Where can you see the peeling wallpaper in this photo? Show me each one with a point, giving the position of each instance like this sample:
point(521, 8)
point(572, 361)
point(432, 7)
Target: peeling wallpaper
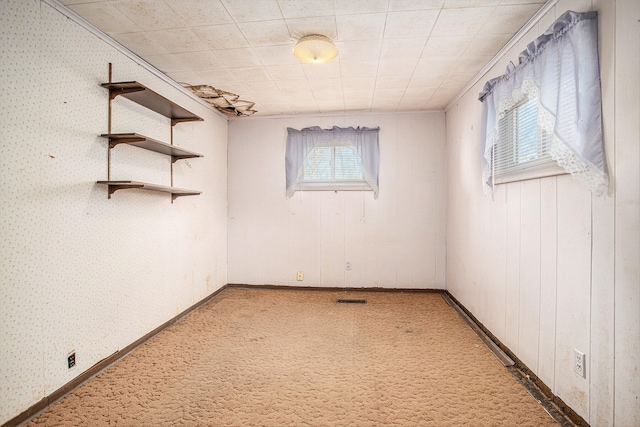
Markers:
point(78, 271)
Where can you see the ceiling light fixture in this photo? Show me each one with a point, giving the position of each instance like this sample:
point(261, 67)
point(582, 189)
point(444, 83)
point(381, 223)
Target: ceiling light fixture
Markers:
point(315, 49)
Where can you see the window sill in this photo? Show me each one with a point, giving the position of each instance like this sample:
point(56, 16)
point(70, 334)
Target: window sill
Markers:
point(525, 175)
point(333, 187)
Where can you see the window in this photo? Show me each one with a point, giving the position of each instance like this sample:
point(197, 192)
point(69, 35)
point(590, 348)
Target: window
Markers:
point(332, 159)
point(522, 146)
point(333, 165)
point(548, 109)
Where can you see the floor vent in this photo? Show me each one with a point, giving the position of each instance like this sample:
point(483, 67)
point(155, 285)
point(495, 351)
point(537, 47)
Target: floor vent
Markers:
point(352, 301)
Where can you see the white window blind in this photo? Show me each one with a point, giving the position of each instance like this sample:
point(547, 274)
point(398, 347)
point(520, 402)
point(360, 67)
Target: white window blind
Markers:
point(522, 145)
point(557, 83)
point(332, 159)
point(333, 163)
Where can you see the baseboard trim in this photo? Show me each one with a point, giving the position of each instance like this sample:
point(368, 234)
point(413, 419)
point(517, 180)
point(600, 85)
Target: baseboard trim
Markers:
point(334, 289)
point(555, 406)
point(101, 365)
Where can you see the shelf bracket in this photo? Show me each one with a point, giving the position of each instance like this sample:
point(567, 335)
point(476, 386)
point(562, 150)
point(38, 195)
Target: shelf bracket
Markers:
point(121, 91)
point(114, 188)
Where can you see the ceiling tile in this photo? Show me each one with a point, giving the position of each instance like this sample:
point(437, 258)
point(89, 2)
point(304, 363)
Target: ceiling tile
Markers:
point(399, 67)
point(508, 19)
point(218, 78)
point(276, 55)
point(239, 89)
point(432, 66)
point(350, 7)
point(251, 10)
point(327, 107)
point(455, 4)
point(305, 8)
point(540, 2)
point(205, 60)
point(140, 43)
point(322, 71)
point(392, 82)
point(455, 22)
point(410, 104)
point(201, 12)
point(252, 74)
point(284, 72)
point(361, 27)
point(326, 85)
point(233, 58)
point(385, 104)
point(69, 2)
point(458, 79)
point(186, 77)
point(396, 5)
point(265, 33)
point(166, 63)
point(470, 64)
point(328, 95)
point(487, 44)
point(106, 17)
point(323, 25)
point(178, 40)
point(358, 68)
point(416, 23)
point(424, 93)
point(360, 50)
point(293, 85)
point(359, 83)
point(410, 48)
point(227, 36)
point(150, 14)
point(254, 86)
point(447, 46)
point(357, 105)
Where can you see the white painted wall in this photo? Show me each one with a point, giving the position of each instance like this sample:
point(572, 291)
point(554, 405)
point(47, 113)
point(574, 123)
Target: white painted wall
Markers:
point(78, 271)
point(396, 241)
point(547, 266)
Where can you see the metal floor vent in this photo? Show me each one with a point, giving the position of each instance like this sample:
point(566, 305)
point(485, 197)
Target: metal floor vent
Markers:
point(351, 301)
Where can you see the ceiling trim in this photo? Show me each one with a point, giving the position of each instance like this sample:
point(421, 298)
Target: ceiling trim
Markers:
point(55, 4)
point(498, 56)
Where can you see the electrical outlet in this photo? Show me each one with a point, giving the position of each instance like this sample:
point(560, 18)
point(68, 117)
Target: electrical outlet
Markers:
point(579, 363)
point(71, 359)
point(300, 276)
point(347, 265)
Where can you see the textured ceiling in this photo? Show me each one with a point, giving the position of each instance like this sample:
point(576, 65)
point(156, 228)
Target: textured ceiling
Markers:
point(394, 55)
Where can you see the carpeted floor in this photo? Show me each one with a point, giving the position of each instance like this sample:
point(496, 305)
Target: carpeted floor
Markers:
point(255, 357)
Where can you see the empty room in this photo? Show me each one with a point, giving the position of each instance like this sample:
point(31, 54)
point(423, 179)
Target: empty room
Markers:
point(320, 212)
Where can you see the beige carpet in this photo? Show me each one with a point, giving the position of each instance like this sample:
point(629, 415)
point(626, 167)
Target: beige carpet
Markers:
point(298, 358)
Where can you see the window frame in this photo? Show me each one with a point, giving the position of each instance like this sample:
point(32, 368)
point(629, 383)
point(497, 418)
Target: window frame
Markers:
point(509, 144)
point(334, 184)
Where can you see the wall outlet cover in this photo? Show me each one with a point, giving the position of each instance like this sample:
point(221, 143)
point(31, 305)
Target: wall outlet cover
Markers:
point(71, 359)
point(579, 363)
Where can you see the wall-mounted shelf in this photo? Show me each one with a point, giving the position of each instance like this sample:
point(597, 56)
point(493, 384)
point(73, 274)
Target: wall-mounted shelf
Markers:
point(129, 185)
point(144, 96)
point(149, 99)
point(150, 144)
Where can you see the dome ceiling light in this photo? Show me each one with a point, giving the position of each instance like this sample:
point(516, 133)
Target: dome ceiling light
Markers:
point(315, 49)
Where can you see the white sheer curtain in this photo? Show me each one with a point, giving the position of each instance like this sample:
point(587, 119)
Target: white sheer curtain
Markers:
point(560, 69)
point(301, 142)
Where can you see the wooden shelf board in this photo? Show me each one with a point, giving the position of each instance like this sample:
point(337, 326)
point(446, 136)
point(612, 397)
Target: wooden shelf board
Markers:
point(128, 185)
point(144, 96)
point(150, 144)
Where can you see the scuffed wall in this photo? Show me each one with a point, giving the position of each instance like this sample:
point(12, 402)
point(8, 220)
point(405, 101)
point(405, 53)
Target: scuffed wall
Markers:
point(78, 271)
